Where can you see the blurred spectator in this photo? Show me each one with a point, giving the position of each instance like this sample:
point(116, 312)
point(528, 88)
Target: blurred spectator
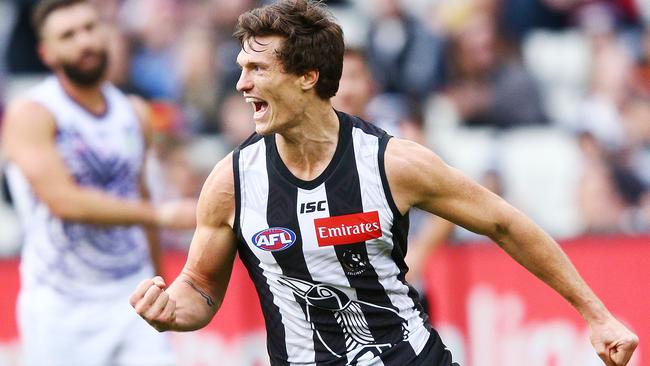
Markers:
point(21, 50)
point(223, 18)
point(119, 54)
point(154, 25)
point(357, 95)
point(519, 17)
point(198, 77)
point(488, 83)
point(641, 77)
point(636, 119)
point(601, 205)
point(404, 55)
point(610, 75)
point(357, 85)
point(236, 120)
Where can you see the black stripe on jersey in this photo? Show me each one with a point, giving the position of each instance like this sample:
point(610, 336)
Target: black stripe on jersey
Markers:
point(344, 197)
point(275, 336)
point(235, 172)
point(400, 231)
point(282, 212)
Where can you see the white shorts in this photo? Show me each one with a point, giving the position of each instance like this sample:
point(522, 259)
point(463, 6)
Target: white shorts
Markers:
point(56, 331)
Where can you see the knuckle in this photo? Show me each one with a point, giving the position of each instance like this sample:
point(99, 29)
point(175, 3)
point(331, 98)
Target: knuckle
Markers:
point(154, 290)
point(161, 319)
point(140, 308)
point(152, 314)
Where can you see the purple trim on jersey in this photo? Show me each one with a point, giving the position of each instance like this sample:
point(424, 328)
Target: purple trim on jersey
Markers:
point(99, 115)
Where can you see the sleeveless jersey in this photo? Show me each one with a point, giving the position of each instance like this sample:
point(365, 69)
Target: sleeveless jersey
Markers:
point(327, 255)
point(100, 151)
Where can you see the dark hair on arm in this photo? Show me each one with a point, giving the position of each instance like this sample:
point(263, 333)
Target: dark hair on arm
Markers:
point(44, 8)
point(312, 39)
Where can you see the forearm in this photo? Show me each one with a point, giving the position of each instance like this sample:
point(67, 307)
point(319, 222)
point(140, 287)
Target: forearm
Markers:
point(195, 306)
point(155, 251)
point(153, 235)
point(92, 206)
point(541, 255)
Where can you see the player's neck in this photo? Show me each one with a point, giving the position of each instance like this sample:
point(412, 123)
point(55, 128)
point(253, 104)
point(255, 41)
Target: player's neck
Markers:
point(89, 97)
point(307, 148)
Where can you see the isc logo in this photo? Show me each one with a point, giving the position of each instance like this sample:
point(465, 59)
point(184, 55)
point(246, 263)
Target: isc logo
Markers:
point(308, 207)
point(274, 239)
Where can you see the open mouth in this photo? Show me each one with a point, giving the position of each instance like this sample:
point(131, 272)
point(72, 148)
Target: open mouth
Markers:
point(259, 106)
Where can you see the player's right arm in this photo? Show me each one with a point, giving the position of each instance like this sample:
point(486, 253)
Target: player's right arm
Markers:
point(29, 132)
point(196, 294)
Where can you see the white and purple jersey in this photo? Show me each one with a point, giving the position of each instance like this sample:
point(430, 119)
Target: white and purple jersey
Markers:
point(104, 152)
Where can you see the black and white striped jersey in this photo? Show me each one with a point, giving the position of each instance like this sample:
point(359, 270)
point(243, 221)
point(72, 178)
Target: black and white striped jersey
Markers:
point(327, 256)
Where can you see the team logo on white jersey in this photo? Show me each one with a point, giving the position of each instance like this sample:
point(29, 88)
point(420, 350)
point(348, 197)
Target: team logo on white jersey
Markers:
point(274, 239)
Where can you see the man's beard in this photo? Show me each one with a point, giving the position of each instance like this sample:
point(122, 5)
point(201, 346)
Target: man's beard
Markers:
point(89, 77)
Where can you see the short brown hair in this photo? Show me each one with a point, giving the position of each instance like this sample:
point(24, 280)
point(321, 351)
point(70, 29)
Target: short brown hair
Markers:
point(46, 7)
point(312, 40)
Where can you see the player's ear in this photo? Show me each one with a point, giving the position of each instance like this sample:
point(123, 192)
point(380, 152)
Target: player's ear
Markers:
point(43, 53)
point(309, 79)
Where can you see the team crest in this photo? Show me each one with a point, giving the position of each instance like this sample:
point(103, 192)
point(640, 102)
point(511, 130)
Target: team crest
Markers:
point(360, 344)
point(274, 239)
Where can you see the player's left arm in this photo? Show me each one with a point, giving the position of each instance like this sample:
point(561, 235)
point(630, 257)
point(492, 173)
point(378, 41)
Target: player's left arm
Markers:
point(143, 112)
point(419, 178)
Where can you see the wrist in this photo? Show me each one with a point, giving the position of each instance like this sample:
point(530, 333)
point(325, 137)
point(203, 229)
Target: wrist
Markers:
point(164, 216)
point(594, 312)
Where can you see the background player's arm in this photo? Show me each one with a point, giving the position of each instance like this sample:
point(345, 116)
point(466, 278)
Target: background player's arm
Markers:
point(29, 133)
point(417, 177)
point(435, 232)
point(143, 113)
point(196, 294)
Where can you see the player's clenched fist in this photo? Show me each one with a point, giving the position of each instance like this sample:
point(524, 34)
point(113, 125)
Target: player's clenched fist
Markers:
point(152, 303)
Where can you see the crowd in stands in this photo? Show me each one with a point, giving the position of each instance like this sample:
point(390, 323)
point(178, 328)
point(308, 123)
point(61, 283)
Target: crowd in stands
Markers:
point(545, 101)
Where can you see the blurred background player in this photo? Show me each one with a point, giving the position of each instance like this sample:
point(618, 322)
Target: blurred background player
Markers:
point(76, 148)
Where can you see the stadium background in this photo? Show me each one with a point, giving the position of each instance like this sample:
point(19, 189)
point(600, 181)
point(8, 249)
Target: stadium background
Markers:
point(548, 101)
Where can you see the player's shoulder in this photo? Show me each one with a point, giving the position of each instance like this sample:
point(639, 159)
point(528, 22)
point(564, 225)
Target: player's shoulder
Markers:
point(408, 159)
point(27, 111)
point(407, 150)
point(217, 200)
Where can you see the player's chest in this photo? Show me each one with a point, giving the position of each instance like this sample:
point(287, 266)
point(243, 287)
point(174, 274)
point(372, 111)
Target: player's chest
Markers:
point(101, 152)
point(311, 228)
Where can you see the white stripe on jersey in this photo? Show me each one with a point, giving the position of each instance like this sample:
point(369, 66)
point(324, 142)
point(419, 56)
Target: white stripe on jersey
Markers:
point(322, 262)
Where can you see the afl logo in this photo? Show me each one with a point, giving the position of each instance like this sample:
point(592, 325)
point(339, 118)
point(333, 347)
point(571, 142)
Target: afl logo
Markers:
point(274, 239)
